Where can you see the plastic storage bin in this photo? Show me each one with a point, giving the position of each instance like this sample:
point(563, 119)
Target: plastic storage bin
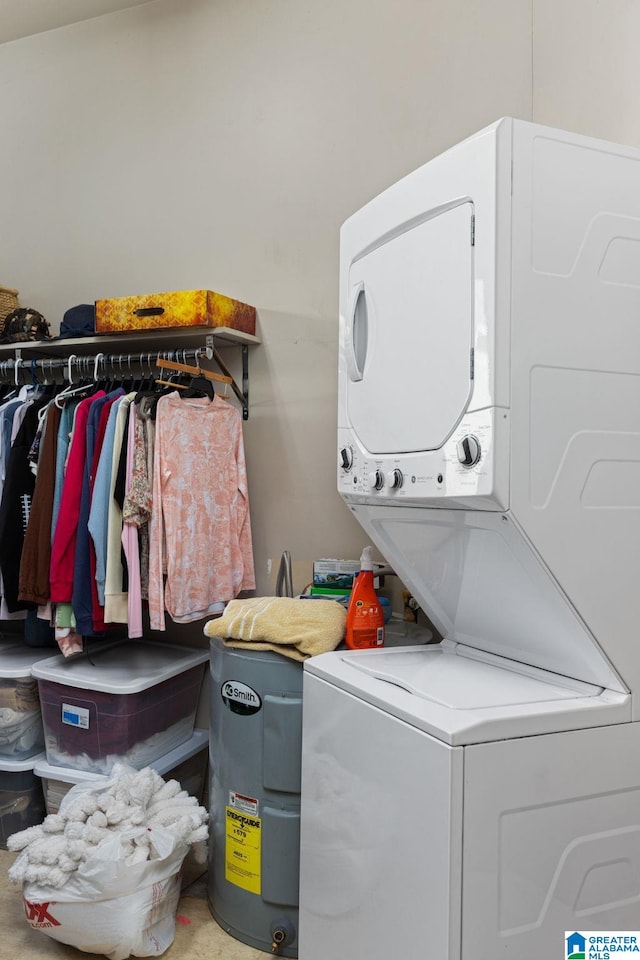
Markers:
point(21, 799)
point(21, 733)
point(187, 764)
point(130, 702)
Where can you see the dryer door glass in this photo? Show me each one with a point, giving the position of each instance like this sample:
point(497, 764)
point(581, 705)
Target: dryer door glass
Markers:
point(409, 333)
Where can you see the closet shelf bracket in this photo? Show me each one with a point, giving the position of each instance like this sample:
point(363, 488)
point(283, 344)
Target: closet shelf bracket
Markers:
point(242, 395)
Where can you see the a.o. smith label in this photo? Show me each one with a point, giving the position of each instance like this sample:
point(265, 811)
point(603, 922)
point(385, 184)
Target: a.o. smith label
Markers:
point(239, 697)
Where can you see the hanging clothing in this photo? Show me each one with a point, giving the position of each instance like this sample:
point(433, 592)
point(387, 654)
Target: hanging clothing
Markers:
point(97, 607)
point(92, 513)
point(62, 449)
point(15, 506)
point(7, 433)
point(130, 540)
point(36, 550)
point(63, 550)
point(138, 502)
point(99, 512)
point(81, 600)
point(200, 510)
point(115, 597)
point(7, 413)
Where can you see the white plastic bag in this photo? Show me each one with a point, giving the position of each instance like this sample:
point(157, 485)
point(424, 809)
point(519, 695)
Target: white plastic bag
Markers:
point(114, 908)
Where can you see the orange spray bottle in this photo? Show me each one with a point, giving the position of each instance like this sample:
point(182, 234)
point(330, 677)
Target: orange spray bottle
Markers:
point(365, 618)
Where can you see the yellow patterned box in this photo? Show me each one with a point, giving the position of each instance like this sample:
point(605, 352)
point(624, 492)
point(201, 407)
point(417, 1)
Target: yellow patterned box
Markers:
point(183, 308)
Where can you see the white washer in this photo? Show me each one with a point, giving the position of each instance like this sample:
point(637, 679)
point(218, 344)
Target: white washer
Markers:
point(440, 821)
point(477, 799)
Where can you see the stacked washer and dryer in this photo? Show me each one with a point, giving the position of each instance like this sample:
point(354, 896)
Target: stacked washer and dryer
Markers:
point(480, 797)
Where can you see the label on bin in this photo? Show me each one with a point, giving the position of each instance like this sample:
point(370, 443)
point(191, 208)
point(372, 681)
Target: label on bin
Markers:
point(242, 850)
point(75, 716)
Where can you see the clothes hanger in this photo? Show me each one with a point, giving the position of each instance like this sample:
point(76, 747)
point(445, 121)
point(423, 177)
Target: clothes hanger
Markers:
point(8, 390)
point(131, 383)
point(70, 390)
point(96, 363)
point(170, 383)
point(46, 392)
point(225, 393)
point(194, 371)
point(147, 385)
point(200, 387)
point(30, 390)
point(167, 386)
point(47, 386)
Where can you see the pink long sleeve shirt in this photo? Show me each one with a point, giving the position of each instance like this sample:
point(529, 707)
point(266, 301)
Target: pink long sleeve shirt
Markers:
point(200, 510)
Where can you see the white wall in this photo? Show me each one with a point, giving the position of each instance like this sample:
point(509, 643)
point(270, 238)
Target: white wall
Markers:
point(586, 68)
point(220, 144)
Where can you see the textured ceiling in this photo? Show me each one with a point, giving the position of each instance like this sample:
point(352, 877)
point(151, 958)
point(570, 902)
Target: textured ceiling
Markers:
point(21, 18)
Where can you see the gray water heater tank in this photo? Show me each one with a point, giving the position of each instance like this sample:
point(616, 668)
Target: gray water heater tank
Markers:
point(255, 758)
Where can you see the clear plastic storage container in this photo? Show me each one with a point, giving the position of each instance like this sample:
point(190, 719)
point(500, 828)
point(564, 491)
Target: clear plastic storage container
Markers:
point(21, 733)
point(21, 799)
point(187, 764)
point(129, 702)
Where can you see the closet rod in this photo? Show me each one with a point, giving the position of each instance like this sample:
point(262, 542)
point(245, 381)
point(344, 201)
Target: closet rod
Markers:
point(119, 365)
point(122, 363)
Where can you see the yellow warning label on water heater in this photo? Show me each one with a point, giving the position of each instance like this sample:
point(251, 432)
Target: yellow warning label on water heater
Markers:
point(242, 850)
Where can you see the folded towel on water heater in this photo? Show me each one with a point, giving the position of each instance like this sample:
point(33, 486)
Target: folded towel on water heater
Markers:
point(287, 625)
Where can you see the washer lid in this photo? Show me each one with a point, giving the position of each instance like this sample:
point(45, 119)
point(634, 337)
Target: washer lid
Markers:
point(461, 695)
point(482, 584)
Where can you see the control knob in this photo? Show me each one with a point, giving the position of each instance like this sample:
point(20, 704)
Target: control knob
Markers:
point(468, 450)
point(395, 478)
point(376, 478)
point(346, 458)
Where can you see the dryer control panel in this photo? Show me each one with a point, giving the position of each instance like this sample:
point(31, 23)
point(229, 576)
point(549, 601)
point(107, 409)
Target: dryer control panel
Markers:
point(470, 469)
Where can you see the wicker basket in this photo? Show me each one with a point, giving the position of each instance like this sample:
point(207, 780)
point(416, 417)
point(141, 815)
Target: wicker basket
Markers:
point(8, 302)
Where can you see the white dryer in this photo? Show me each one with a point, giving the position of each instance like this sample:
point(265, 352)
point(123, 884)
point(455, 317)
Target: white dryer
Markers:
point(479, 798)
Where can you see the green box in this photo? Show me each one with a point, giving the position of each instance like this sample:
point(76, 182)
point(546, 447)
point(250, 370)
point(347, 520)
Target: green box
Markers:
point(337, 574)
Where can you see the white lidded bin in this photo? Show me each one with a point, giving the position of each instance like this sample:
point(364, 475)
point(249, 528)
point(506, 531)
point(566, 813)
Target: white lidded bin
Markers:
point(127, 702)
point(21, 799)
point(21, 733)
point(187, 764)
